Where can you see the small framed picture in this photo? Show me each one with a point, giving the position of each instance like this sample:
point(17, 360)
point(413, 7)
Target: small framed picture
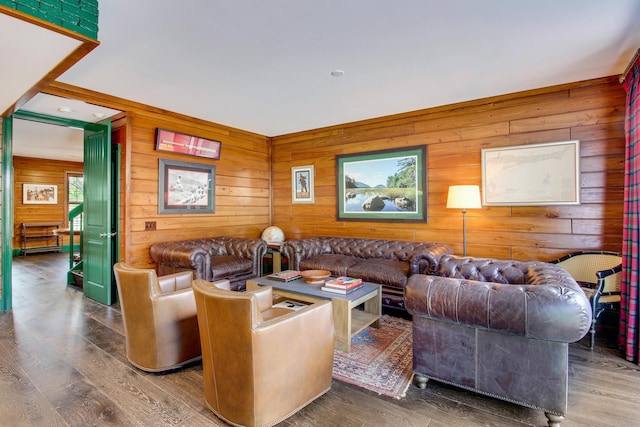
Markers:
point(186, 188)
point(302, 184)
point(39, 194)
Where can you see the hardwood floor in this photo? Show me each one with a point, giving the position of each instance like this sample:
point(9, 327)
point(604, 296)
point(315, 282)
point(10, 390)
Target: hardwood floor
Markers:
point(62, 363)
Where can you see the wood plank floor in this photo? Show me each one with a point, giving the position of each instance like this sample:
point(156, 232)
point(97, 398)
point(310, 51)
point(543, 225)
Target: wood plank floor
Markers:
point(62, 363)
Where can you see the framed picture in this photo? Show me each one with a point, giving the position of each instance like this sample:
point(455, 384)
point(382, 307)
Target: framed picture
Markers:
point(386, 185)
point(302, 184)
point(39, 194)
point(175, 142)
point(186, 187)
point(532, 175)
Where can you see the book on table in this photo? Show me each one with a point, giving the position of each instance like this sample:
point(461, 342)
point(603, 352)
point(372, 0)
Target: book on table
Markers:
point(285, 276)
point(338, 290)
point(343, 282)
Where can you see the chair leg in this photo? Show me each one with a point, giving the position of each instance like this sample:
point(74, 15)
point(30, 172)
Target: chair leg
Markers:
point(593, 338)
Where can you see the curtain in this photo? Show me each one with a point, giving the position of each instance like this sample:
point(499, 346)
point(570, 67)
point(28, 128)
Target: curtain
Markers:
point(630, 289)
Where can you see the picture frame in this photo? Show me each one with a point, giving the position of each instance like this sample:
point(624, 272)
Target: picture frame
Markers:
point(180, 143)
point(383, 185)
point(532, 175)
point(186, 187)
point(39, 194)
point(302, 184)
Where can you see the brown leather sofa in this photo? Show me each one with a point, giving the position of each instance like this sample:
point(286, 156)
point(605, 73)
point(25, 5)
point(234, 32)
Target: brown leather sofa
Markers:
point(498, 327)
point(260, 364)
point(159, 316)
point(212, 259)
point(386, 262)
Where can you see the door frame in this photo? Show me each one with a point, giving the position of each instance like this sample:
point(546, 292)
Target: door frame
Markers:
point(8, 195)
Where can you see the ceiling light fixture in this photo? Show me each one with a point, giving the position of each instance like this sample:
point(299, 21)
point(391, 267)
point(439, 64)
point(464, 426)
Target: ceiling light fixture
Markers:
point(65, 110)
point(337, 73)
point(98, 115)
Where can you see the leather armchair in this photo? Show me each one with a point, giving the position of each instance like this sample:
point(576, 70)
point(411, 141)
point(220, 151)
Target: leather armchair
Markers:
point(261, 364)
point(159, 316)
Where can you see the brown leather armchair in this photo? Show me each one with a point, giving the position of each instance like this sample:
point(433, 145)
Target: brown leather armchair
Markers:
point(159, 315)
point(261, 364)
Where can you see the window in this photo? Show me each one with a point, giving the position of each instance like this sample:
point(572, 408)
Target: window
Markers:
point(75, 186)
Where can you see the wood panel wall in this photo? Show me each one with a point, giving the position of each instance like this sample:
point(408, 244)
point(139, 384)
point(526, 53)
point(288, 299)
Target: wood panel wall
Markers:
point(590, 111)
point(242, 193)
point(29, 170)
point(243, 176)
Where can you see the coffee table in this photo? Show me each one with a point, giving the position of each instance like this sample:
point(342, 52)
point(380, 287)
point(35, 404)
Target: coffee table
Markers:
point(348, 320)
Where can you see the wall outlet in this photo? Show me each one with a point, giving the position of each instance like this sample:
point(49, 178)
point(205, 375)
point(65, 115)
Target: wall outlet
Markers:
point(149, 225)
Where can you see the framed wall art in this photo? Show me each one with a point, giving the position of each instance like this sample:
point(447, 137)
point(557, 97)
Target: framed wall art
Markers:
point(186, 187)
point(174, 142)
point(385, 185)
point(532, 175)
point(302, 183)
point(39, 194)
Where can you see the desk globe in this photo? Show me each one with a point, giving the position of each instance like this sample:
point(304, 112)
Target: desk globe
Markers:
point(273, 235)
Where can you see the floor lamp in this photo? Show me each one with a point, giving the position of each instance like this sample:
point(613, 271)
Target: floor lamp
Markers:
point(464, 197)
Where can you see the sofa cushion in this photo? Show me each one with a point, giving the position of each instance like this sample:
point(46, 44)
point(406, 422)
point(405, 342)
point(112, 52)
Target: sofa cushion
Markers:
point(226, 266)
point(336, 264)
point(381, 271)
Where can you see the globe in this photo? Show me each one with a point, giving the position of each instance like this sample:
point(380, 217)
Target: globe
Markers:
point(273, 234)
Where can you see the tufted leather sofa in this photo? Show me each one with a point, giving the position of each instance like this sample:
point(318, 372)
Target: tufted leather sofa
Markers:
point(386, 262)
point(498, 327)
point(212, 259)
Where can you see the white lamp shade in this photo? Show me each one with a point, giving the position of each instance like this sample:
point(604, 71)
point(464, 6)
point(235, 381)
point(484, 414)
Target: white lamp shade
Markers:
point(464, 197)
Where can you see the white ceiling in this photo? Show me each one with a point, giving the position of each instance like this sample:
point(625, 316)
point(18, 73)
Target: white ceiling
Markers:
point(265, 65)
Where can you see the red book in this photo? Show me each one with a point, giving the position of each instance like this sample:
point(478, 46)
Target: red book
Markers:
point(343, 282)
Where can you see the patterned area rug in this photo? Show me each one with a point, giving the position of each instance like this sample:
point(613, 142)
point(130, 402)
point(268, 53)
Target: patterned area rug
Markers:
point(379, 360)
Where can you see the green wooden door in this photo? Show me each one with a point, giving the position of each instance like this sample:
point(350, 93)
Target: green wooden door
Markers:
point(98, 233)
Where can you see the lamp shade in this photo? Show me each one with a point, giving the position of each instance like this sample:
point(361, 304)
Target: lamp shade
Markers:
point(464, 197)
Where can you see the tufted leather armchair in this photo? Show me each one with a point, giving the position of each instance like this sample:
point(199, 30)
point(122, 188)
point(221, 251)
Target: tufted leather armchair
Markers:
point(386, 262)
point(498, 327)
point(261, 365)
point(159, 316)
point(212, 259)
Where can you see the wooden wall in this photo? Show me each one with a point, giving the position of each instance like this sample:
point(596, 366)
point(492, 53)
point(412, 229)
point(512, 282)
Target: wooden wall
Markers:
point(242, 194)
point(29, 170)
point(243, 176)
point(590, 111)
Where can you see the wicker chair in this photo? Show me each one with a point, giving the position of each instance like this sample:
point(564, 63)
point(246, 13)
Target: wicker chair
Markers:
point(599, 274)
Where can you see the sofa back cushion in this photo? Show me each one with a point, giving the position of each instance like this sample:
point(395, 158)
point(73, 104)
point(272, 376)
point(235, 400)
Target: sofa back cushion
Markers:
point(484, 269)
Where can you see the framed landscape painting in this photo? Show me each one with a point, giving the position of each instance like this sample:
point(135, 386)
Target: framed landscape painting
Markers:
point(186, 187)
point(385, 185)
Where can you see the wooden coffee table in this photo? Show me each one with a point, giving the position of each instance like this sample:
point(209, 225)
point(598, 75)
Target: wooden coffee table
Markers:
point(348, 320)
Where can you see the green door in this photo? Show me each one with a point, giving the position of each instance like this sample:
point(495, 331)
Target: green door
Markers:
point(98, 233)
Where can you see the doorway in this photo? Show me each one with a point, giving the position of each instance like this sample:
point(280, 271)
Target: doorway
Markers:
point(94, 135)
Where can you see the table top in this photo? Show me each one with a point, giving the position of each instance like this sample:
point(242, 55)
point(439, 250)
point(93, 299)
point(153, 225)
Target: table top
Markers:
point(299, 286)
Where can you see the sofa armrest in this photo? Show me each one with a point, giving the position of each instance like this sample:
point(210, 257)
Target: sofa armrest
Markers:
point(297, 250)
point(254, 249)
point(187, 254)
point(428, 260)
point(548, 311)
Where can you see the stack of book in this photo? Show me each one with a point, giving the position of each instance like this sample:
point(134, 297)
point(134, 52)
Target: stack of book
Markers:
point(285, 276)
point(342, 285)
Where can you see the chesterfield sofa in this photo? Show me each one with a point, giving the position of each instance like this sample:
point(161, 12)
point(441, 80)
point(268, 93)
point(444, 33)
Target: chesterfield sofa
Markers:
point(212, 259)
point(386, 262)
point(498, 327)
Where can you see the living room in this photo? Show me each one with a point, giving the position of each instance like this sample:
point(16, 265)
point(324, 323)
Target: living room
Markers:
point(253, 176)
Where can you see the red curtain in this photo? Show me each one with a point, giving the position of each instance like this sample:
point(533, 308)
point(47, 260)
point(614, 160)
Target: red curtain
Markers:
point(630, 297)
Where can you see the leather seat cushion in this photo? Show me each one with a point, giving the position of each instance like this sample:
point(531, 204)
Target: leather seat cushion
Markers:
point(381, 271)
point(226, 266)
point(335, 263)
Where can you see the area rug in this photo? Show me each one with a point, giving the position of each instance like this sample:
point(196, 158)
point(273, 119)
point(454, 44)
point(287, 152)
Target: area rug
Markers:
point(380, 360)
